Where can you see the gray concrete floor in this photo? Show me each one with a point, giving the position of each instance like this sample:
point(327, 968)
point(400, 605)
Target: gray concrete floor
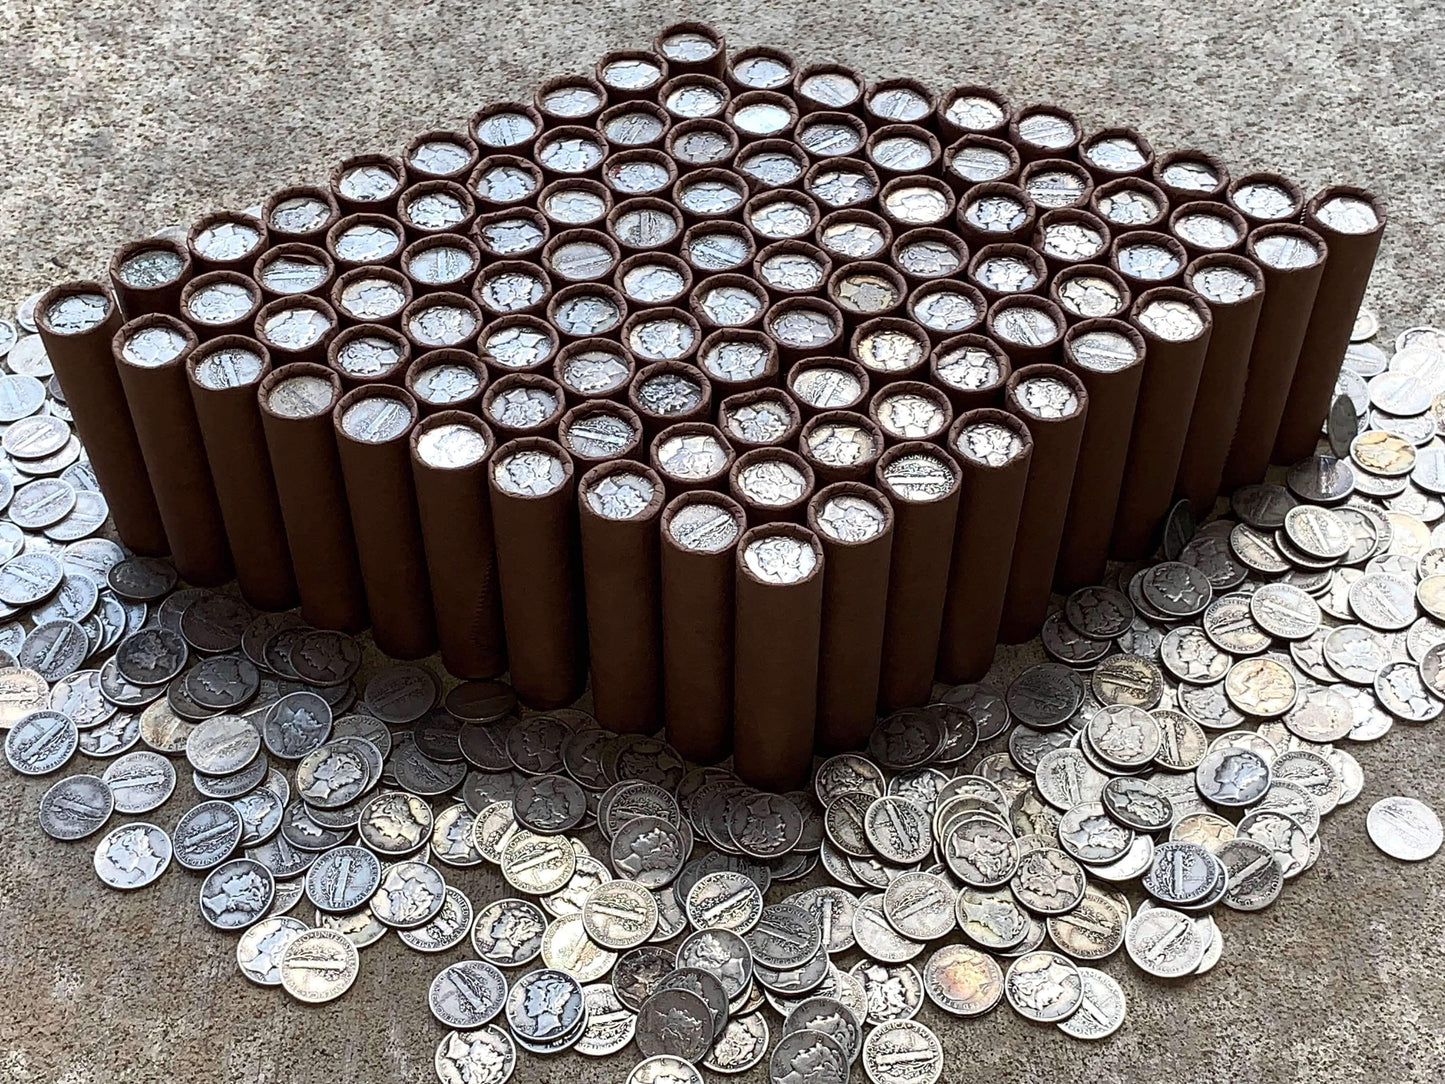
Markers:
point(121, 118)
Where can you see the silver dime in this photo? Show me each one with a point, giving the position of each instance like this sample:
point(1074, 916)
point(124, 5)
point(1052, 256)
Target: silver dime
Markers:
point(920, 905)
point(1255, 878)
point(963, 981)
point(620, 915)
point(467, 995)
point(545, 1005)
point(41, 742)
point(408, 894)
point(509, 932)
point(809, 1055)
point(1102, 1007)
point(677, 1022)
point(980, 851)
point(140, 782)
point(206, 835)
point(1282, 834)
point(484, 1055)
point(725, 900)
point(75, 807)
point(343, 879)
point(898, 830)
point(236, 894)
point(1043, 987)
point(721, 952)
point(1165, 943)
point(223, 745)
point(132, 855)
point(1232, 777)
point(664, 1069)
point(650, 851)
point(1404, 828)
point(1048, 882)
point(259, 948)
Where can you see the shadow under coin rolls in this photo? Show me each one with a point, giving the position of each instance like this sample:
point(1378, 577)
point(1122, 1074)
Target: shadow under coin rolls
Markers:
point(296, 402)
point(534, 517)
point(450, 451)
point(778, 612)
point(619, 505)
point(373, 431)
point(77, 322)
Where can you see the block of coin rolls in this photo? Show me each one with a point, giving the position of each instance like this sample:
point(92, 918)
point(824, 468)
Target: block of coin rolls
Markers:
point(1175, 324)
point(921, 481)
point(854, 524)
point(296, 402)
point(77, 322)
point(992, 449)
point(1351, 221)
point(150, 356)
point(223, 375)
point(373, 434)
point(1054, 405)
point(699, 536)
point(619, 505)
point(534, 519)
point(449, 454)
point(778, 615)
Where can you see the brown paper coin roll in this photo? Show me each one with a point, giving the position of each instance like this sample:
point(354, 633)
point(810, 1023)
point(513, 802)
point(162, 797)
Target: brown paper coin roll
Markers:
point(993, 449)
point(441, 261)
point(148, 276)
point(223, 376)
point(299, 212)
point(518, 344)
point(1147, 258)
point(906, 101)
point(778, 614)
point(367, 183)
point(760, 418)
point(854, 524)
point(220, 303)
point(511, 232)
point(511, 126)
point(994, 212)
point(435, 206)
point(226, 241)
point(1186, 175)
point(293, 269)
point(947, 307)
point(911, 410)
point(449, 452)
point(446, 379)
point(690, 456)
point(1266, 197)
point(441, 319)
point(534, 517)
point(668, 392)
point(1205, 227)
point(1044, 131)
point(969, 110)
point(760, 67)
point(977, 159)
point(150, 356)
point(1030, 329)
point(727, 301)
point(569, 99)
point(1057, 183)
point(1116, 152)
point(1005, 269)
point(1130, 203)
point(971, 370)
point(927, 254)
point(631, 74)
point(439, 154)
point(662, 334)
point(792, 267)
point(371, 295)
point(1070, 236)
point(77, 322)
point(1292, 259)
point(505, 182)
point(922, 483)
point(619, 505)
point(1054, 405)
point(296, 328)
point(890, 348)
point(853, 234)
point(593, 369)
point(1108, 357)
point(373, 433)
point(1233, 287)
point(645, 224)
point(1352, 222)
point(523, 405)
point(369, 354)
point(647, 279)
point(738, 360)
point(828, 383)
point(597, 430)
point(701, 144)
point(803, 327)
point(1176, 326)
point(699, 535)
point(691, 46)
point(1090, 292)
point(772, 484)
point(840, 446)
point(573, 202)
point(295, 403)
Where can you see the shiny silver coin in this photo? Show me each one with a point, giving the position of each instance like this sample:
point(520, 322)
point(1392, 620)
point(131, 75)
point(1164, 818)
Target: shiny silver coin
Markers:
point(1255, 879)
point(75, 807)
point(741, 1045)
point(903, 1052)
point(319, 966)
point(1232, 777)
point(259, 948)
point(407, 895)
point(41, 742)
point(1043, 987)
point(1089, 834)
point(223, 745)
point(784, 938)
point(237, 894)
point(725, 900)
point(877, 937)
point(664, 1069)
point(620, 915)
point(611, 1025)
point(1403, 693)
point(485, 1055)
point(343, 879)
point(892, 992)
point(897, 830)
point(721, 952)
point(467, 995)
point(509, 932)
point(140, 782)
point(393, 824)
point(1165, 943)
point(1404, 828)
point(334, 775)
point(447, 929)
point(132, 855)
point(206, 835)
point(545, 1005)
point(1101, 1010)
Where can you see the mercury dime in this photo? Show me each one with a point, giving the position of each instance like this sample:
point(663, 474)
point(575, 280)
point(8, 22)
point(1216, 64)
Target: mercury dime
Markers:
point(1125, 736)
point(509, 932)
point(1043, 696)
point(610, 1024)
point(1091, 835)
point(1048, 881)
point(395, 823)
point(1127, 680)
point(1404, 828)
point(1182, 873)
point(408, 894)
point(891, 992)
point(319, 966)
point(467, 995)
point(549, 804)
point(676, 1022)
point(1232, 777)
point(132, 855)
point(920, 906)
point(75, 807)
point(1282, 834)
point(1043, 987)
point(223, 745)
point(236, 894)
point(898, 830)
point(1404, 694)
point(296, 725)
point(1137, 804)
point(1101, 1008)
point(1188, 653)
point(260, 947)
point(620, 915)
point(650, 850)
point(41, 742)
point(1284, 611)
point(903, 1052)
point(1165, 943)
point(665, 1069)
point(1065, 778)
point(1383, 601)
point(566, 947)
point(343, 879)
point(545, 1005)
point(725, 900)
point(140, 781)
point(1254, 877)
point(1261, 687)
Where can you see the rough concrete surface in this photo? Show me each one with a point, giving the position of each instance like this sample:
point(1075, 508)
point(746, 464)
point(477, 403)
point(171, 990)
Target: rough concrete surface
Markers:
point(120, 118)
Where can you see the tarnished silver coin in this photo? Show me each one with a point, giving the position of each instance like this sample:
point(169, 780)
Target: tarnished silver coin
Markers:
point(664, 1069)
point(809, 1055)
point(132, 855)
point(610, 1024)
point(1282, 834)
point(259, 948)
point(484, 1055)
point(1043, 987)
point(223, 745)
point(1102, 1007)
point(319, 966)
point(980, 851)
point(785, 937)
point(620, 915)
point(920, 905)
point(508, 932)
point(677, 1022)
point(545, 1005)
point(206, 835)
point(140, 781)
point(1044, 696)
point(75, 807)
point(394, 824)
point(343, 879)
point(1255, 878)
point(649, 850)
point(408, 894)
point(897, 830)
point(1403, 693)
point(721, 952)
point(725, 900)
point(236, 894)
point(1232, 777)
point(467, 995)
point(41, 742)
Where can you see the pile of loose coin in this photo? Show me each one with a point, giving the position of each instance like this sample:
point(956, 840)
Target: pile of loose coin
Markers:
point(1179, 753)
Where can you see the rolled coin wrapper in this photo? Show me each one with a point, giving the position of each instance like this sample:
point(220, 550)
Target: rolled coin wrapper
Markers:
point(294, 269)
point(828, 383)
point(1186, 175)
point(296, 328)
point(1266, 197)
point(523, 405)
point(668, 392)
point(449, 454)
point(993, 450)
point(367, 182)
point(699, 537)
point(447, 379)
point(148, 276)
point(223, 376)
point(1116, 152)
point(597, 430)
point(922, 483)
point(840, 446)
point(1233, 288)
point(220, 303)
point(1053, 403)
point(971, 370)
point(1351, 221)
point(692, 47)
point(295, 403)
point(371, 295)
point(854, 524)
point(593, 369)
point(1292, 259)
point(1176, 326)
point(911, 410)
point(764, 417)
point(772, 484)
point(1044, 131)
point(619, 506)
point(369, 354)
point(1128, 204)
point(226, 241)
point(534, 517)
point(1108, 356)
point(77, 322)
point(1089, 292)
point(690, 456)
point(1030, 329)
point(777, 635)
point(150, 356)
point(373, 432)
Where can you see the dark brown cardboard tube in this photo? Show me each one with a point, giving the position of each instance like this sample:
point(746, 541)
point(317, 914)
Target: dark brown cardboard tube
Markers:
point(365, 281)
point(1290, 295)
point(545, 404)
point(739, 74)
point(678, 61)
point(93, 392)
point(1105, 170)
point(808, 102)
point(565, 272)
point(641, 262)
point(419, 173)
point(680, 195)
point(734, 416)
point(1038, 349)
point(713, 358)
point(508, 196)
point(1221, 385)
point(347, 256)
point(882, 369)
point(597, 430)
point(777, 638)
point(1113, 395)
point(1090, 303)
point(698, 542)
point(844, 222)
point(654, 421)
point(863, 290)
point(137, 297)
point(312, 495)
point(443, 299)
point(954, 123)
point(622, 171)
point(1161, 422)
point(1159, 174)
point(235, 442)
point(855, 463)
point(281, 230)
point(947, 307)
point(313, 309)
point(586, 310)
point(924, 520)
point(1180, 216)
point(1056, 254)
point(696, 476)
point(748, 101)
point(706, 310)
point(971, 370)
point(1112, 199)
point(374, 338)
point(1126, 247)
point(1037, 180)
point(201, 263)
point(851, 166)
point(1046, 498)
point(645, 225)
point(701, 143)
point(1009, 250)
point(978, 237)
point(805, 135)
point(496, 127)
point(621, 574)
point(175, 458)
point(493, 232)
point(1342, 288)
point(991, 494)
point(904, 131)
point(855, 604)
point(912, 240)
point(784, 508)
point(634, 335)
point(617, 92)
point(1020, 133)
point(455, 516)
point(350, 204)
point(576, 134)
point(551, 118)
point(791, 200)
point(961, 161)
point(827, 383)
point(539, 569)
point(465, 397)
point(1256, 215)
point(239, 324)
point(494, 297)
point(296, 252)
point(882, 413)
point(879, 107)
point(384, 519)
point(491, 347)
point(417, 250)
point(572, 369)
point(666, 113)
